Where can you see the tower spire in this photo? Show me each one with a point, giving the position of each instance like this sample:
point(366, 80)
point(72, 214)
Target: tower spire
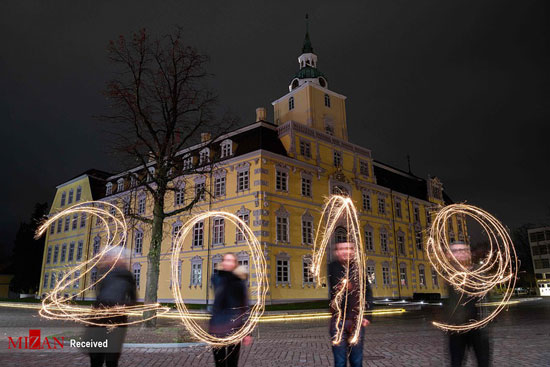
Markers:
point(307, 48)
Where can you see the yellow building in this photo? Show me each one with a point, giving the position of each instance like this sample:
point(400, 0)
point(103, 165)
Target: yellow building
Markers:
point(275, 176)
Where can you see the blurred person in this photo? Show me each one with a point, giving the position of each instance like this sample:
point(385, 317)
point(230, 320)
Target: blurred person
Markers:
point(230, 308)
point(345, 257)
point(461, 308)
point(117, 288)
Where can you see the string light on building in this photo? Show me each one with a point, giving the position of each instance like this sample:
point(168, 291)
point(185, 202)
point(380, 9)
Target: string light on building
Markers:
point(57, 306)
point(340, 210)
point(260, 289)
point(499, 267)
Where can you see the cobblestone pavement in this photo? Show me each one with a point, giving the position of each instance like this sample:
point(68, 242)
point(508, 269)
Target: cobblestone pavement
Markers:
point(520, 337)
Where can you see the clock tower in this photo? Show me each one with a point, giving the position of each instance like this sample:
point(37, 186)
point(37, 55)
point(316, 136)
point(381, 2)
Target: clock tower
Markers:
point(309, 100)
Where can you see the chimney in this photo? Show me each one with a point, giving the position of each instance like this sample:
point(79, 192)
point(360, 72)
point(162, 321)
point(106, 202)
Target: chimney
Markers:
point(261, 114)
point(205, 137)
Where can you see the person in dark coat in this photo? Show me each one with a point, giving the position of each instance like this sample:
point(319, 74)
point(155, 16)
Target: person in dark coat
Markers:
point(117, 288)
point(461, 308)
point(345, 253)
point(230, 309)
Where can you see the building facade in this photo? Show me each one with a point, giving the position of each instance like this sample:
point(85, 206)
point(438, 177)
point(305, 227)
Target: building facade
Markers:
point(539, 241)
point(275, 176)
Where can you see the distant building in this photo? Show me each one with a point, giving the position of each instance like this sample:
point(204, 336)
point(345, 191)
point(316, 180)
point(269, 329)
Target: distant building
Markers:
point(539, 239)
point(274, 176)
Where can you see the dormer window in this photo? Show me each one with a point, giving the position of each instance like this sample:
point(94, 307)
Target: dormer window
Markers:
point(120, 185)
point(109, 188)
point(188, 163)
point(291, 103)
point(227, 148)
point(204, 156)
point(323, 83)
point(151, 173)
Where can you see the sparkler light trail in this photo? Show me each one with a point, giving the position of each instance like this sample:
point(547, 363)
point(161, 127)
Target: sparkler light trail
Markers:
point(340, 210)
point(55, 305)
point(260, 266)
point(499, 266)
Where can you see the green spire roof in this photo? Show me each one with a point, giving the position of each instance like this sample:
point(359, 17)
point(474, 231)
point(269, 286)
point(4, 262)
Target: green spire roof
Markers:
point(307, 48)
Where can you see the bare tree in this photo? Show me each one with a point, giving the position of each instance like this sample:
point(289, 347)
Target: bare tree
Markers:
point(160, 103)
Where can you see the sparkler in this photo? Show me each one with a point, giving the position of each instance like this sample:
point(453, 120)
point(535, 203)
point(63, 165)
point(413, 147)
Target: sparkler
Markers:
point(499, 266)
point(56, 306)
point(340, 209)
point(258, 260)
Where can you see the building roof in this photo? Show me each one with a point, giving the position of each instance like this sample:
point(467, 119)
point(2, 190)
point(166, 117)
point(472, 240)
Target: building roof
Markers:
point(403, 182)
point(97, 180)
point(263, 137)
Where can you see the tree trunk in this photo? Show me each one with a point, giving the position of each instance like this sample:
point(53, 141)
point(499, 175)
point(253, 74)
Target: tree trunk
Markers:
point(153, 258)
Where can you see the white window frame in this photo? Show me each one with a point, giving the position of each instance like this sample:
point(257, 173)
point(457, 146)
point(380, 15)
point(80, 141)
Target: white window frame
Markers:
point(308, 279)
point(386, 274)
point(218, 231)
point(195, 279)
point(307, 229)
point(198, 235)
point(281, 179)
point(282, 261)
point(138, 241)
point(226, 148)
point(109, 188)
point(204, 156)
point(136, 271)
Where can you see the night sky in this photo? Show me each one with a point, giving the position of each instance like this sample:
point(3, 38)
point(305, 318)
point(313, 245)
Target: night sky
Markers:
point(461, 86)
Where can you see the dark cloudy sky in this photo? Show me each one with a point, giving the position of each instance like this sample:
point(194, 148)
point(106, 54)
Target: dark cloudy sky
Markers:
point(461, 86)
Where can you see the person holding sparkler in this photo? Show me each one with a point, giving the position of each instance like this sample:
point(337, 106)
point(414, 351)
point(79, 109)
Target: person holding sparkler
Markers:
point(460, 308)
point(345, 299)
point(230, 308)
point(116, 288)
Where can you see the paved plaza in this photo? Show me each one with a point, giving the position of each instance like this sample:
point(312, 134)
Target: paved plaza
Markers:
point(520, 337)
